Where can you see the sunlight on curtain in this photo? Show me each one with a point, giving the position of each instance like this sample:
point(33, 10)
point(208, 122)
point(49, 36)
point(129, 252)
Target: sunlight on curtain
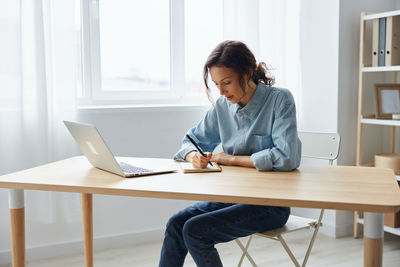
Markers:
point(38, 74)
point(271, 29)
point(241, 22)
point(280, 43)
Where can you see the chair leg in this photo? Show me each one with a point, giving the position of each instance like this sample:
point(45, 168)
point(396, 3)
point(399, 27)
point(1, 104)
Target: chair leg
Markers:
point(245, 253)
point(280, 238)
point(355, 230)
point(313, 238)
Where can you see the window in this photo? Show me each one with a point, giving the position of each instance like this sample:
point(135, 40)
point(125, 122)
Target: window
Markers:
point(134, 45)
point(153, 51)
point(134, 53)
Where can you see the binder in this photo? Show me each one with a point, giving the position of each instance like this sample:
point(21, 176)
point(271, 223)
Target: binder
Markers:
point(392, 56)
point(375, 42)
point(382, 41)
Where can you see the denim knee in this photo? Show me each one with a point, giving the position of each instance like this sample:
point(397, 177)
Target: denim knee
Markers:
point(194, 236)
point(174, 224)
point(199, 241)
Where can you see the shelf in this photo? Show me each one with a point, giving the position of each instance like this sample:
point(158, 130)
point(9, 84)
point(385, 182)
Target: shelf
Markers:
point(395, 231)
point(381, 122)
point(378, 69)
point(382, 15)
point(367, 165)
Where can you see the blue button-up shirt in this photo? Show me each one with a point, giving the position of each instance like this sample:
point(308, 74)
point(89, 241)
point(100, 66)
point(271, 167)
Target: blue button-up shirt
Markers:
point(264, 129)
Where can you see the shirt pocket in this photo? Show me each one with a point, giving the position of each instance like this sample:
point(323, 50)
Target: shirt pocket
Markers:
point(260, 142)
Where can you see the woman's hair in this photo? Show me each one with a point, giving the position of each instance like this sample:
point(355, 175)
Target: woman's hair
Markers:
point(237, 56)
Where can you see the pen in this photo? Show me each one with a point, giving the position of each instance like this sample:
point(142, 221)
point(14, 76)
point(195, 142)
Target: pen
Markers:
point(198, 148)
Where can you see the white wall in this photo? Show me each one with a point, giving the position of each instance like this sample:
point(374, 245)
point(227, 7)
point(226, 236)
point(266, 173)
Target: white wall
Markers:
point(319, 65)
point(318, 105)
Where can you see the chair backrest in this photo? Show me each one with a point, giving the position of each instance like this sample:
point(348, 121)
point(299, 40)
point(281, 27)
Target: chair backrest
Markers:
point(320, 145)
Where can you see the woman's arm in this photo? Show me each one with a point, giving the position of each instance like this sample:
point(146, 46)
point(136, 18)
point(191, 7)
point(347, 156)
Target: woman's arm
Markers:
point(285, 155)
point(205, 134)
point(226, 159)
point(199, 161)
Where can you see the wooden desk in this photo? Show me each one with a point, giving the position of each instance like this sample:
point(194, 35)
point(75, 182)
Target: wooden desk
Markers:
point(372, 190)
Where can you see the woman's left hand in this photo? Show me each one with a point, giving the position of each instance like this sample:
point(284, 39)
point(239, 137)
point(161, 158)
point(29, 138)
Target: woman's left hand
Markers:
point(229, 160)
point(223, 158)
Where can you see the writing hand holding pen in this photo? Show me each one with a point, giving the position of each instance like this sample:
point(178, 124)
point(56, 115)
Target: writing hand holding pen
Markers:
point(199, 159)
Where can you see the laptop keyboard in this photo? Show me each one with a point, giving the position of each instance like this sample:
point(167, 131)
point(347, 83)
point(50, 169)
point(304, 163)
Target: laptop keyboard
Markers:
point(127, 168)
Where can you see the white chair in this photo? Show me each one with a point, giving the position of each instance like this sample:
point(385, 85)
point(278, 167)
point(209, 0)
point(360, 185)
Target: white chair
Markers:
point(314, 145)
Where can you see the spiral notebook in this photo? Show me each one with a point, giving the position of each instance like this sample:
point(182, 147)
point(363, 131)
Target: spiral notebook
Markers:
point(187, 167)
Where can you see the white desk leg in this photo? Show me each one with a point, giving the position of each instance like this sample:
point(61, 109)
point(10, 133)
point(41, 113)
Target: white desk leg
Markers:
point(373, 239)
point(17, 226)
point(87, 214)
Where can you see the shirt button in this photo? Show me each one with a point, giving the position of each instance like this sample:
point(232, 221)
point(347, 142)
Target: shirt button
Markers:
point(241, 111)
point(243, 132)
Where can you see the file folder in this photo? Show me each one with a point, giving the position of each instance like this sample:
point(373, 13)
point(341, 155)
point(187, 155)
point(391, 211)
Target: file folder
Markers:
point(382, 41)
point(392, 56)
point(375, 42)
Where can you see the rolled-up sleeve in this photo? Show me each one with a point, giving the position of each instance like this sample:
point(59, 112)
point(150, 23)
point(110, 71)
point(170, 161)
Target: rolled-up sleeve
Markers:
point(285, 154)
point(205, 133)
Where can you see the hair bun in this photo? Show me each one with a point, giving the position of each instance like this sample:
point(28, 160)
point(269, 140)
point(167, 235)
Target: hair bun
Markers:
point(261, 74)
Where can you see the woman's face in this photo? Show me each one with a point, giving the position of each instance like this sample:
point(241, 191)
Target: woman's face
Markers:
point(227, 82)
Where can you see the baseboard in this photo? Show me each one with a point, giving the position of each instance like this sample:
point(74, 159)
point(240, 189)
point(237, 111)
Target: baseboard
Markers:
point(76, 247)
point(5, 258)
point(344, 230)
point(326, 229)
point(329, 225)
point(336, 231)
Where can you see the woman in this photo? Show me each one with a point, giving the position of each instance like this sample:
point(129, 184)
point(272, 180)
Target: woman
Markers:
point(256, 125)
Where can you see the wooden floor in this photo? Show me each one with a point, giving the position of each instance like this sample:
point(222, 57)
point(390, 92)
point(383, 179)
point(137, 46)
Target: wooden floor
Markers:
point(326, 252)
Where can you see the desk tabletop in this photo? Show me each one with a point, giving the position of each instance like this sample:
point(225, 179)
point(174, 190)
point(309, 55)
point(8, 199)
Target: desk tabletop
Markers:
point(330, 187)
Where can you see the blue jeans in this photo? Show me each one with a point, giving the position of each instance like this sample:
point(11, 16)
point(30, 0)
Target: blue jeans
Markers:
point(197, 229)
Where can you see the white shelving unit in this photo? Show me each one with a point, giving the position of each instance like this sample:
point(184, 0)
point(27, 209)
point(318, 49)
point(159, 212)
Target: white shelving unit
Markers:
point(364, 120)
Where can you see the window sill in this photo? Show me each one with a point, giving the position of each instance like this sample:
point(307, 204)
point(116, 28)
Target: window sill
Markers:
point(172, 103)
point(143, 108)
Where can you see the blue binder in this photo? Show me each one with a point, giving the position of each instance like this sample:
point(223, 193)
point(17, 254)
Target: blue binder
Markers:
point(382, 41)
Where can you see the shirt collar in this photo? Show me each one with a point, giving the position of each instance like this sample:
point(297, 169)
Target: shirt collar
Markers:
point(255, 103)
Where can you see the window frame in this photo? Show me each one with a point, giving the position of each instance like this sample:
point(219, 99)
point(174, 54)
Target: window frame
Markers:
point(91, 60)
point(92, 95)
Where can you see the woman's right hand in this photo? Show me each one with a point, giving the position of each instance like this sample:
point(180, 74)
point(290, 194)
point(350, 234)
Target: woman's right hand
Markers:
point(197, 160)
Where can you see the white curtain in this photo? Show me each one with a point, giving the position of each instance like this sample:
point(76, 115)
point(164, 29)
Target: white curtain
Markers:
point(271, 29)
point(280, 43)
point(39, 79)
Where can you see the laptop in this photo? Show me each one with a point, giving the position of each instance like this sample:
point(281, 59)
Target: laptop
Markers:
point(100, 156)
